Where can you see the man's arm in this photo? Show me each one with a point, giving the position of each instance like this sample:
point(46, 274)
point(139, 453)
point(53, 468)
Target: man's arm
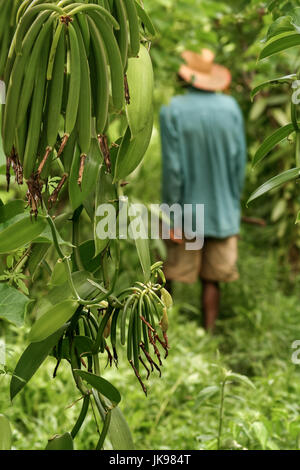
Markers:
point(171, 171)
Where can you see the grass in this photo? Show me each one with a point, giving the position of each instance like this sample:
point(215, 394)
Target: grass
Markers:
point(259, 321)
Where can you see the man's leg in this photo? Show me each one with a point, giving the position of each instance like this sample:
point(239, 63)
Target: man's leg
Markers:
point(210, 303)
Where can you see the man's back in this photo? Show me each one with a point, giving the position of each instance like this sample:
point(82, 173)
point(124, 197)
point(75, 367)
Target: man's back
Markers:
point(204, 157)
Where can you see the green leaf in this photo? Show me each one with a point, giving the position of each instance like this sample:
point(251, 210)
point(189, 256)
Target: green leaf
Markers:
point(140, 84)
point(22, 286)
point(46, 237)
point(166, 298)
point(275, 81)
point(59, 275)
point(106, 193)
point(61, 442)
point(272, 4)
point(274, 182)
point(143, 250)
point(83, 345)
point(31, 359)
point(271, 445)
point(208, 392)
point(261, 433)
point(37, 255)
point(279, 209)
point(12, 220)
point(11, 209)
point(52, 320)
point(101, 385)
point(280, 44)
point(9, 261)
point(132, 151)
point(13, 304)
point(271, 141)
point(19, 231)
point(5, 433)
point(295, 18)
point(90, 262)
point(280, 25)
point(139, 233)
point(77, 193)
point(240, 378)
point(63, 292)
point(119, 432)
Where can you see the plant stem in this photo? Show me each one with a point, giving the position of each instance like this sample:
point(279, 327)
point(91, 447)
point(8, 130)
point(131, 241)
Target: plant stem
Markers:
point(221, 414)
point(298, 149)
point(19, 265)
point(294, 116)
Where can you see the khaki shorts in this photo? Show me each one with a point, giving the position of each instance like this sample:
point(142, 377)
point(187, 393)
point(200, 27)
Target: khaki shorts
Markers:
point(216, 261)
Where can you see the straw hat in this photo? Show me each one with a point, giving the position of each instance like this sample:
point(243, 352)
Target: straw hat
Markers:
point(200, 71)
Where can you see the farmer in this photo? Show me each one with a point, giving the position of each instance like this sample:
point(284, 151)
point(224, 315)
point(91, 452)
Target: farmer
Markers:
point(204, 157)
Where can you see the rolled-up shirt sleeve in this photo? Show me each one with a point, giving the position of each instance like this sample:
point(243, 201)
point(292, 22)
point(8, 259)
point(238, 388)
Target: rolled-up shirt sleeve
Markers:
point(171, 168)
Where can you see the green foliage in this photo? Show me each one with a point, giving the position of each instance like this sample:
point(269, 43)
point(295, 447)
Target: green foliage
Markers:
point(101, 385)
point(254, 337)
point(13, 304)
point(206, 399)
point(30, 361)
point(5, 434)
point(63, 442)
point(282, 35)
point(55, 127)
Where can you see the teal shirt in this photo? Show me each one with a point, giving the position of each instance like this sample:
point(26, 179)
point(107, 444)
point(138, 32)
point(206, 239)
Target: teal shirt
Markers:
point(204, 157)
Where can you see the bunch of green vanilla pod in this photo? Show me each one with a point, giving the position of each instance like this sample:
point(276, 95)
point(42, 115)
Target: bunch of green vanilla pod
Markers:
point(139, 312)
point(145, 306)
point(7, 29)
point(77, 332)
point(71, 69)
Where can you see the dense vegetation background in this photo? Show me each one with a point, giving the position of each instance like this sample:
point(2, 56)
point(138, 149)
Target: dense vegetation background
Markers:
point(259, 314)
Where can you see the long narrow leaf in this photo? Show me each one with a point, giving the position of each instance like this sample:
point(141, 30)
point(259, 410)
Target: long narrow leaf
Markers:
point(274, 81)
point(101, 385)
point(143, 250)
point(280, 44)
point(271, 141)
point(20, 230)
point(31, 359)
point(52, 320)
point(119, 432)
point(240, 378)
point(275, 182)
point(283, 24)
